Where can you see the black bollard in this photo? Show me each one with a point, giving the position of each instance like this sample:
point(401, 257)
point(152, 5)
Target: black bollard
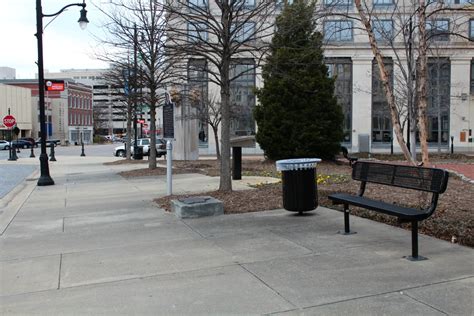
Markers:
point(32, 154)
point(13, 156)
point(52, 157)
point(237, 163)
point(391, 145)
point(82, 150)
point(452, 144)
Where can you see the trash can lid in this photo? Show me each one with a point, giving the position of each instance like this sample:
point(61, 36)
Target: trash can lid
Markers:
point(296, 164)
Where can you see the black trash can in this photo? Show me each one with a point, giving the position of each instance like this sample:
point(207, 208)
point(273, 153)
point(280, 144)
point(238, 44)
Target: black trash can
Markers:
point(299, 184)
point(138, 153)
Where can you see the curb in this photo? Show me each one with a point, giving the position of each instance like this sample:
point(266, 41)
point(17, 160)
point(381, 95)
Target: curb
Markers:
point(11, 203)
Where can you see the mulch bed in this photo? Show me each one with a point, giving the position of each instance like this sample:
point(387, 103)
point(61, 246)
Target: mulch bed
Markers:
point(452, 221)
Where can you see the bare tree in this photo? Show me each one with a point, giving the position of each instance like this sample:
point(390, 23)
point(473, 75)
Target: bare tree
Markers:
point(208, 110)
point(137, 28)
point(118, 78)
point(220, 32)
point(98, 121)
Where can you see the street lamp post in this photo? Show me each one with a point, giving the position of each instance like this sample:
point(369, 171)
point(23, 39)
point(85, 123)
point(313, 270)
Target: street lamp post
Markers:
point(82, 145)
point(45, 178)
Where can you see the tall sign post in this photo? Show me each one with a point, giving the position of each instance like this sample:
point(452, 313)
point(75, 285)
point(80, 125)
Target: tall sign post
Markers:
point(168, 134)
point(9, 121)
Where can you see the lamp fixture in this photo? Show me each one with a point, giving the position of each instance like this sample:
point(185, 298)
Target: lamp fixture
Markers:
point(83, 21)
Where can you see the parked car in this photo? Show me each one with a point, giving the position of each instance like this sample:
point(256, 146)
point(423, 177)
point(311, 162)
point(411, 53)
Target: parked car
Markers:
point(19, 143)
point(145, 143)
point(4, 145)
point(49, 142)
point(29, 139)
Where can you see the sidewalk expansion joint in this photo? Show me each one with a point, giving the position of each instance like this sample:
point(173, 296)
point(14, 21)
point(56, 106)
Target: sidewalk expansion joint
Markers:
point(268, 286)
point(60, 267)
point(192, 229)
point(144, 277)
point(389, 292)
point(424, 303)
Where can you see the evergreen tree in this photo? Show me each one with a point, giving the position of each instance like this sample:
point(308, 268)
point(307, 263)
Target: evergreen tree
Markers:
point(298, 114)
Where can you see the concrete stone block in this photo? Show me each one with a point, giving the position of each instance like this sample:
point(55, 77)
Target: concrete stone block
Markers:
point(198, 206)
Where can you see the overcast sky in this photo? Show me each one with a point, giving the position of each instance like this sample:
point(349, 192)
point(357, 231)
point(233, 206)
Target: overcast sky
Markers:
point(65, 45)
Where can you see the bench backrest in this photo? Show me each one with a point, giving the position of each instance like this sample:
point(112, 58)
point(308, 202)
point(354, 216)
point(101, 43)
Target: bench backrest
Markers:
point(410, 177)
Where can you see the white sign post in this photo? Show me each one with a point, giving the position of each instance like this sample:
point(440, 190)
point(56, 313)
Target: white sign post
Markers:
point(169, 166)
point(168, 134)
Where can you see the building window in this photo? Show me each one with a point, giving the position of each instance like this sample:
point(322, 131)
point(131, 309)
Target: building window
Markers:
point(197, 32)
point(383, 30)
point(245, 3)
point(244, 31)
point(242, 74)
point(341, 70)
point(280, 3)
point(381, 117)
point(459, 1)
point(437, 30)
point(198, 3)
point(338, 3)
point(383, 2)
point(472, 76)
point(338, 31)
point(439, 82)
point(471, 29)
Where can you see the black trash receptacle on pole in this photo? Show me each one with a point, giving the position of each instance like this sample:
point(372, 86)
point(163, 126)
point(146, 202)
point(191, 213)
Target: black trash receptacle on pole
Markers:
point(138, 152)
point(236, 163)
point(299, 184)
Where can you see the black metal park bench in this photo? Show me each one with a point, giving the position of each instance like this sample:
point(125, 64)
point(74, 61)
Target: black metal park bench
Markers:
point(430, 180)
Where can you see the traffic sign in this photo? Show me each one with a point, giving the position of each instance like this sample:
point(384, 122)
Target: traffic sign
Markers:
point(9, 121)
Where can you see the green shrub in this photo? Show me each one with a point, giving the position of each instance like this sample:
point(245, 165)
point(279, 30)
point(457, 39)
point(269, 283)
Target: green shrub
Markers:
point(298, 114)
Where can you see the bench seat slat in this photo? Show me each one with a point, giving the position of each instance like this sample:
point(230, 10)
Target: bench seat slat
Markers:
point(382, 207)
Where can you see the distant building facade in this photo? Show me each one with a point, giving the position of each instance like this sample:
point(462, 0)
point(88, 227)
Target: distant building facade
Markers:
point(68, 113)
point(109, 102)
point(7, 73)
point(16, 101)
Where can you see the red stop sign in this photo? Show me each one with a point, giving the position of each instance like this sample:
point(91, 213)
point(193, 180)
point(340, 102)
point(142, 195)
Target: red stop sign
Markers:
point(9, 121)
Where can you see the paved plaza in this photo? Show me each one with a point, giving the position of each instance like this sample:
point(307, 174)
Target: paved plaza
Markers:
point(95, 243)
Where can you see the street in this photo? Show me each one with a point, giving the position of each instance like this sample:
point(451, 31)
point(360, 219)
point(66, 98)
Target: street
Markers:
point(104, 150)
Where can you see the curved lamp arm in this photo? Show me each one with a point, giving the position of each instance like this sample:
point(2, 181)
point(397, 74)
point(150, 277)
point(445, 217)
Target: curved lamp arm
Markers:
point(83, 5)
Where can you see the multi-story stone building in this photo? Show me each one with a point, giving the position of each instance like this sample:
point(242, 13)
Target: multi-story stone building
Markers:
point(68, 113)
point(350, 60)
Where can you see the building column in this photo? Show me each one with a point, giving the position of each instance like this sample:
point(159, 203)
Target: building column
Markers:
point(461, 116)
point(361, 99)
point(186, 133)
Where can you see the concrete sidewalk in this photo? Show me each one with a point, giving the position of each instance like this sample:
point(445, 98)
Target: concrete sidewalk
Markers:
point(94, 243)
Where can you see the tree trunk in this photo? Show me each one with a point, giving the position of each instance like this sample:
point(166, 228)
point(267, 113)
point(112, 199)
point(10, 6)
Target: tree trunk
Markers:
point(385, 83)
point(413, 138)
point(153, 101)
point(225, 184)
point(421, 89)
point(128, 144)
point(216, 139)
point(152, 157)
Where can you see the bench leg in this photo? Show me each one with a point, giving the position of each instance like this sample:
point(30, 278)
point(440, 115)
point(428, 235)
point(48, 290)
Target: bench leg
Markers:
point(414, 243)
point(347, 230)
